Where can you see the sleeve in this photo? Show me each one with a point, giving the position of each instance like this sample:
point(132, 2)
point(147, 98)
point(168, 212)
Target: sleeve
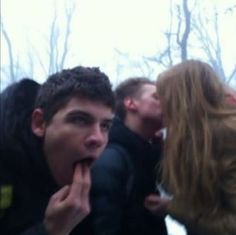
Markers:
point(108, 195)
point(38, 229)
point(223, 221)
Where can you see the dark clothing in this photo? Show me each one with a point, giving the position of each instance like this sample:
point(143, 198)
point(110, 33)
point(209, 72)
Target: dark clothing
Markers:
point(117, 207)
point(25, 172)
point(25, 182)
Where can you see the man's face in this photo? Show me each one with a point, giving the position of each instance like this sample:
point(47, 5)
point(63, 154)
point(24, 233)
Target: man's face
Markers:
point(77, 133)
point(230, 95)
point(148, 105)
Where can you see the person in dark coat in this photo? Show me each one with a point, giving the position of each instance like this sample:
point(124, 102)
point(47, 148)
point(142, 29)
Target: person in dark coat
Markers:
point(125, 173)
point(50, 136)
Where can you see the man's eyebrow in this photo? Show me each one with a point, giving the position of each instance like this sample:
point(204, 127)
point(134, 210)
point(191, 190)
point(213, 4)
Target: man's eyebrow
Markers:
point(79, 113)
point(86, 115)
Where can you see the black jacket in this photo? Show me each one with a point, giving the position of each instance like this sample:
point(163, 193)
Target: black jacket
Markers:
point(26, 175)
point(118, 190)
point(25, 182)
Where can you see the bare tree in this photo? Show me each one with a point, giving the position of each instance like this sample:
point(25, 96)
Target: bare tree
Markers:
point(13, 69)
point(69, 14)
point(57, 48)
point(182, 40)
point(168, 35)
point(58, 41)
point(53, 47)
point(208, 33)
point(164, 57)
point(177, 36)
point(140, 66)
point(177, 41)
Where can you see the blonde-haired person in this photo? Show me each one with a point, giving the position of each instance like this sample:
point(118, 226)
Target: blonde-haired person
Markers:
point(199, 164)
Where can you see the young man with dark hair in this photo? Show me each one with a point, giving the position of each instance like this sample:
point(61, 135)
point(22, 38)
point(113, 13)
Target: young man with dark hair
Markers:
point(125, 173)
point(45, 169)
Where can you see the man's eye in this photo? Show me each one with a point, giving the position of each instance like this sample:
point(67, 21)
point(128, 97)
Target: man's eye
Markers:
point(106, 127)
point(80, 120)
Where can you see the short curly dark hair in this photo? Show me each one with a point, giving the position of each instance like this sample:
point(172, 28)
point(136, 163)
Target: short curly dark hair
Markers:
point(81, 82)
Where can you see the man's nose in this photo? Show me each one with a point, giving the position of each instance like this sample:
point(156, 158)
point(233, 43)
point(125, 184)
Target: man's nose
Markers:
point(96, 137)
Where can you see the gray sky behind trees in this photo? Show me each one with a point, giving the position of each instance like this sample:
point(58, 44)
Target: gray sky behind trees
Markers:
point(124, 38)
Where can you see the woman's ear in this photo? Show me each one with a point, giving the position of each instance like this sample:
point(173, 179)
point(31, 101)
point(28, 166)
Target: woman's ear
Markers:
point(38, 123)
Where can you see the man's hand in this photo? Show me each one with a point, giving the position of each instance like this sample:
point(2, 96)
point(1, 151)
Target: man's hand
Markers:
point(70, 205)
point(156, 205)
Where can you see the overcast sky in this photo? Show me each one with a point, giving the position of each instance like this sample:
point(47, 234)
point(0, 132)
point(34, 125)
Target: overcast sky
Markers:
point(132, 26)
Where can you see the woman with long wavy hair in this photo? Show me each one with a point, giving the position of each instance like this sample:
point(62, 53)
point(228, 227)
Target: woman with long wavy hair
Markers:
point(199, 163)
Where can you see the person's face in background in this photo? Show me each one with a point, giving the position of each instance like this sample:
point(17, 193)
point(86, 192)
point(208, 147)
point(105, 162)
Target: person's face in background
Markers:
point(148, 105)
point(77, 134)
point(230, 94)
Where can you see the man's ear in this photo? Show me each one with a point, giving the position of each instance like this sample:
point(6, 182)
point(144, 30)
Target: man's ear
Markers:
point(130, 104)
point(38, 123)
